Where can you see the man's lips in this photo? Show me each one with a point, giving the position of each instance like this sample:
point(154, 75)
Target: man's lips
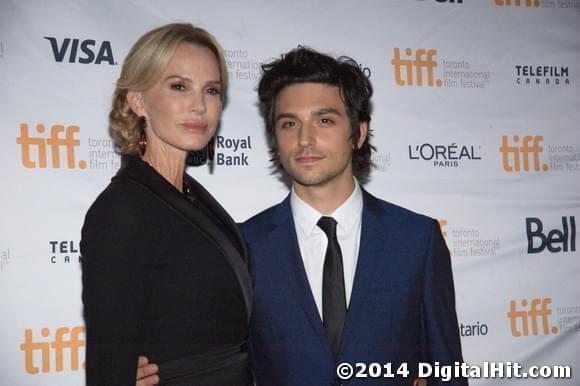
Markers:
point(308, 159)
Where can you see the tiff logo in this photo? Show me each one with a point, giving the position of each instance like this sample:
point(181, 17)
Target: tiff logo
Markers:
point(410, 71)
point(526, 319)
point(517, 3)
point(53, 350)
point(514, 155)
point(88, 47)
point(55, 142)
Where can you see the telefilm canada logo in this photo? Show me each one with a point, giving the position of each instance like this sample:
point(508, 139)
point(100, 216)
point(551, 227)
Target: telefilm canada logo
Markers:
point(64, 251)
point(542, 75)
point(75, 50)
point(445, 155)
point(422, 67)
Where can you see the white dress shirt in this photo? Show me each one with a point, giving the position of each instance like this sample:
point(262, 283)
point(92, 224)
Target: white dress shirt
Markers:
point(312, 241)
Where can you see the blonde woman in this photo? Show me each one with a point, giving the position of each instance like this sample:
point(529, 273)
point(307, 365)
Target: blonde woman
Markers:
point(165, 269)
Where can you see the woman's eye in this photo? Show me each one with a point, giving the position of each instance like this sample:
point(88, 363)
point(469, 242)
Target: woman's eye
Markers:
point(214, 91)
point(178, 86)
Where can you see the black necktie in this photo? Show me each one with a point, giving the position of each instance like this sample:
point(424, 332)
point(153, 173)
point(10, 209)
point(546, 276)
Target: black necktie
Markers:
point(333, 293)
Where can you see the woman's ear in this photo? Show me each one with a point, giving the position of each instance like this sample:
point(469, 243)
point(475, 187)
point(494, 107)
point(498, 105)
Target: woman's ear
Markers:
point(136, 104)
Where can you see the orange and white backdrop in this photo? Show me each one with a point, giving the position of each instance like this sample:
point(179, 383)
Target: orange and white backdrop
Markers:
point(476, 120)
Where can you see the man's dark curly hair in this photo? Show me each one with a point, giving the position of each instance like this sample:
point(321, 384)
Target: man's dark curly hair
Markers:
point(304, 65)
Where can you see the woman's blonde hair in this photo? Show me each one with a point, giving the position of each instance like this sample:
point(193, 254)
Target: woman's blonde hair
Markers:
point(144, 66)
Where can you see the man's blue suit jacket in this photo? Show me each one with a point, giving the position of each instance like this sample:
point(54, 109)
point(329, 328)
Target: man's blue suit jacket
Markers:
point(402, 307)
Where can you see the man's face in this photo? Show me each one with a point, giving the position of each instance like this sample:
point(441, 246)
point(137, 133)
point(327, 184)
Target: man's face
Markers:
point(313, 133)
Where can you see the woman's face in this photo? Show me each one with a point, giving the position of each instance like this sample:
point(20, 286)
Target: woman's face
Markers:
point(183, 108)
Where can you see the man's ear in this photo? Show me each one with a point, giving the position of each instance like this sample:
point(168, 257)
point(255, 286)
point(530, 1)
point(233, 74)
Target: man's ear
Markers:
point(364, 129)
point(136, 104)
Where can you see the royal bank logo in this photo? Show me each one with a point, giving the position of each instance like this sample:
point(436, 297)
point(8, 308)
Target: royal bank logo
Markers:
point(48, 151)
point(233, 151)
point(89, 51)
point(531, 318)
point(439, 155)
point(529, 75)
point(64, 251)
point(4, 259)
point(554, 240)
point(523, 154)
point(47, 351)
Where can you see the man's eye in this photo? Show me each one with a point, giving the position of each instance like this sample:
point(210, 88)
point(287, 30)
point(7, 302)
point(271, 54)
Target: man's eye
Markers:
point(288, 124)
point(326, 121)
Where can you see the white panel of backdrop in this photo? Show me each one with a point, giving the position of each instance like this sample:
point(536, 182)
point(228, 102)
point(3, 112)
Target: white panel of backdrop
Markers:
point(476, 121)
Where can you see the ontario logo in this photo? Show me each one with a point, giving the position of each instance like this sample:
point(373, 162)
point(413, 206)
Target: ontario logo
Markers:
point(87, 51)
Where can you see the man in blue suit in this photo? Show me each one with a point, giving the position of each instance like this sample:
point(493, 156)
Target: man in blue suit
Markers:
point(340, 275)
point(396, 301)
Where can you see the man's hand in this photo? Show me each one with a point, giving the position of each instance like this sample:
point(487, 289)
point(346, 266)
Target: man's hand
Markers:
point(146, 373)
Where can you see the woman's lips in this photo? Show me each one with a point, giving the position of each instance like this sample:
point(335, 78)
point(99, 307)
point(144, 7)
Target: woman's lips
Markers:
point(195, 126)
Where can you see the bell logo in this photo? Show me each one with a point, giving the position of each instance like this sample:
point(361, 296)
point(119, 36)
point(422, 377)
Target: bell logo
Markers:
point(526, 319)
point(514, 155)
point(517, 3)
point(556, 240)
point(410, 71)
point(52, 351)
point(87, 47)
point(55, 142)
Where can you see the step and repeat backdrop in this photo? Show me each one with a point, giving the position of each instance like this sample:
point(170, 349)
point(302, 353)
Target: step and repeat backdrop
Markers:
point(476, 122)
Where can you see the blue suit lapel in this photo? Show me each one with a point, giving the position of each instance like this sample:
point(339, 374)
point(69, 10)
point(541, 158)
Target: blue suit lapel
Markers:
point(283, 238)
point(371, 251)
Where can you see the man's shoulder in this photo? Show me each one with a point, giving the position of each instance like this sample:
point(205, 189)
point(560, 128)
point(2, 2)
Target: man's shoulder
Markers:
point(262, 220)
point(393, 211)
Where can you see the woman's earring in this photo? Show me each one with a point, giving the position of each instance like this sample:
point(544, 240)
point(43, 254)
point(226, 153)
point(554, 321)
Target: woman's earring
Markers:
point(143, 139)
